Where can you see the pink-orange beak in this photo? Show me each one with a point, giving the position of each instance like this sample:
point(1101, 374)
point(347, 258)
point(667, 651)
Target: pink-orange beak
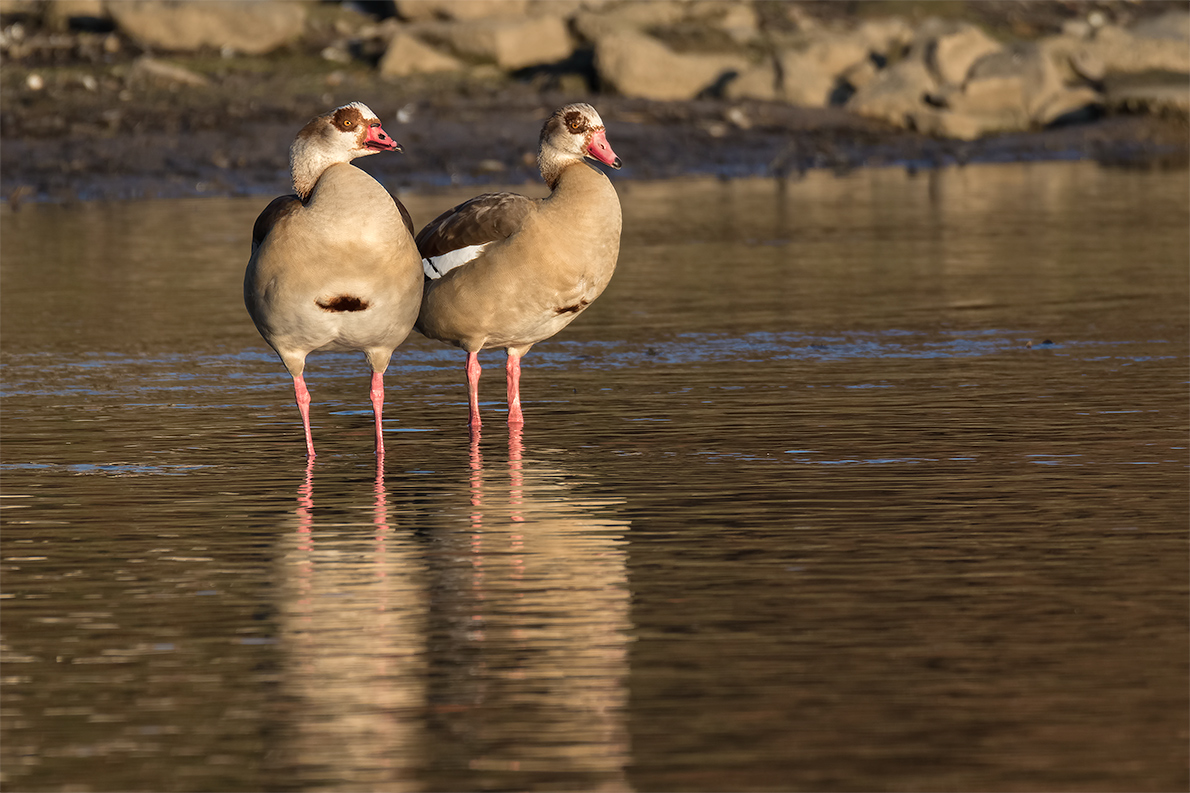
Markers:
point(601, 150)
point(379, 140)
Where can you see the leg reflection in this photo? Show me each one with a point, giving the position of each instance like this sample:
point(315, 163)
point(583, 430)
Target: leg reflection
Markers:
point(531, 619)
point(352, 611)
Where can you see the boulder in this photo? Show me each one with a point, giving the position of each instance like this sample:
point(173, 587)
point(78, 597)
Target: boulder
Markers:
point(250, 28)
point(738, 20)
point(1010, 90)
point(884, 35)
point(1074, 103)
point(896, 93)
point(754, 82)
point(1013, 83)
point(1123, 51)
point(149, 70)
point(60, 14)
point(950, 49)
point(406, 55)
point(424, 10)
point(1174, 25)
point(594, 24)
point(1158, 94)
point(641, 66)
point(512, 43)
point(810, 75)
point(945, 124)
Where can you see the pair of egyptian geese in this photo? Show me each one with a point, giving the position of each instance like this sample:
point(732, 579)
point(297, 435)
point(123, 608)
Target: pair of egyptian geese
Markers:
point(337, 267)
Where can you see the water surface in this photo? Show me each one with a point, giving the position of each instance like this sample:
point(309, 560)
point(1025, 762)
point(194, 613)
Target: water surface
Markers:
point(863, 482)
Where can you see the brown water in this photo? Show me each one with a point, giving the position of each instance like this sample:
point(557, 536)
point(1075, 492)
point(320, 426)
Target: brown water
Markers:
point(864, 483)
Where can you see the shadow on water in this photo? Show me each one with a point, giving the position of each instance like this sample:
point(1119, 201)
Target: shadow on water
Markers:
point(862, 482)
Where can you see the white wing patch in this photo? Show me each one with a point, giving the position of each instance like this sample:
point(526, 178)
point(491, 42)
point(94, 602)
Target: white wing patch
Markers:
point(438, 266)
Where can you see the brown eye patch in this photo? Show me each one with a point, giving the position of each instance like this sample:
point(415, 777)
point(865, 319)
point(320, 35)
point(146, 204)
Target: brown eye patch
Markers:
point(347, 118)
point(575, 121)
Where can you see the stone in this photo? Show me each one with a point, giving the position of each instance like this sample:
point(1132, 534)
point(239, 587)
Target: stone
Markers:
point(424, 10)
point(959, 126)
point(896, 93)
point(952, 50)
point(641, 66)
point(1074, 59)
point(1010, 90)
point(1156, 96)
point(58, 14)
point(809, 76)
point(884, 35)
point(1174, 25)
point(1123, 52)
point(147, 69)
point(738, 20)
point(1076, 103)
point(1014, 82)
point(512, 43)
point(755, 82)
point(593, 24)
point(861, 74)
point(408, 55)
point(250, 28)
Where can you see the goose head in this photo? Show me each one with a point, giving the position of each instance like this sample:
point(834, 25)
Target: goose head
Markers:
point(572, 133)
point(339, 136)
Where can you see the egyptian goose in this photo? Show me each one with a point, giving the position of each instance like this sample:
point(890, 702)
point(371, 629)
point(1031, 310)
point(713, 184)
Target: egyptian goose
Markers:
point(335, 267)
point(503, 270)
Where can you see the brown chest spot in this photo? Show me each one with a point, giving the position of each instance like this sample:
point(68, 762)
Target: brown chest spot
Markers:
point(342, 303)
point(577, 307)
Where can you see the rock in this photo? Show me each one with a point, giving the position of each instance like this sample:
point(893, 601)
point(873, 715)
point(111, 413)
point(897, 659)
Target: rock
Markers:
point(896, 93)
point(1071, 104)
point(1011, 90)
point(59, 14)
point(885, 35)
point(423, 10)
point(407, 55)
point(1174, 25)
point(1124, 52)
point(1072, 57)
point(1160, 95)
point(945, 124)
point(146, 69)
point(641, 66)
point(251, 28)
point(1013, 84)
point(951, 49)
point(29, 7)
point(754, 82)
point(810, 75)
point(738, 20)
point(861, 74)
point(512, 43)
point(593, 25)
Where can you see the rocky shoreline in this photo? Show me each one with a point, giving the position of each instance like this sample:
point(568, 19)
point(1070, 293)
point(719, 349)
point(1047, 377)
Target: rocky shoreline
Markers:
point(97, 104)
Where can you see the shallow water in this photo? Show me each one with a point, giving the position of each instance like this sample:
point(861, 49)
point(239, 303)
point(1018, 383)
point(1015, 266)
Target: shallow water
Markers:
point(863, 482)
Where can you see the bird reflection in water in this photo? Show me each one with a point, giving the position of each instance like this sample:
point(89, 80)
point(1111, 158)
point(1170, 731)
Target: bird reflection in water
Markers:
point(353, 636)
point(417, 655)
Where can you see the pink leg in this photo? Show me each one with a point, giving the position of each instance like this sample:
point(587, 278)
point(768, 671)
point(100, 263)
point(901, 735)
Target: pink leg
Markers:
point(303, 403)
point(473, 370)
point(512, 371)
point(377, 395)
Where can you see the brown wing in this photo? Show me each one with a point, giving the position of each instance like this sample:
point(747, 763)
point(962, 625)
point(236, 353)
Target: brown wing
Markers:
point(278, 208)
point(486, 218)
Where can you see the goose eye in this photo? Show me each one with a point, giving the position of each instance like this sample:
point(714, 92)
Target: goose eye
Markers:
point(348, 124)
point(574, 125)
